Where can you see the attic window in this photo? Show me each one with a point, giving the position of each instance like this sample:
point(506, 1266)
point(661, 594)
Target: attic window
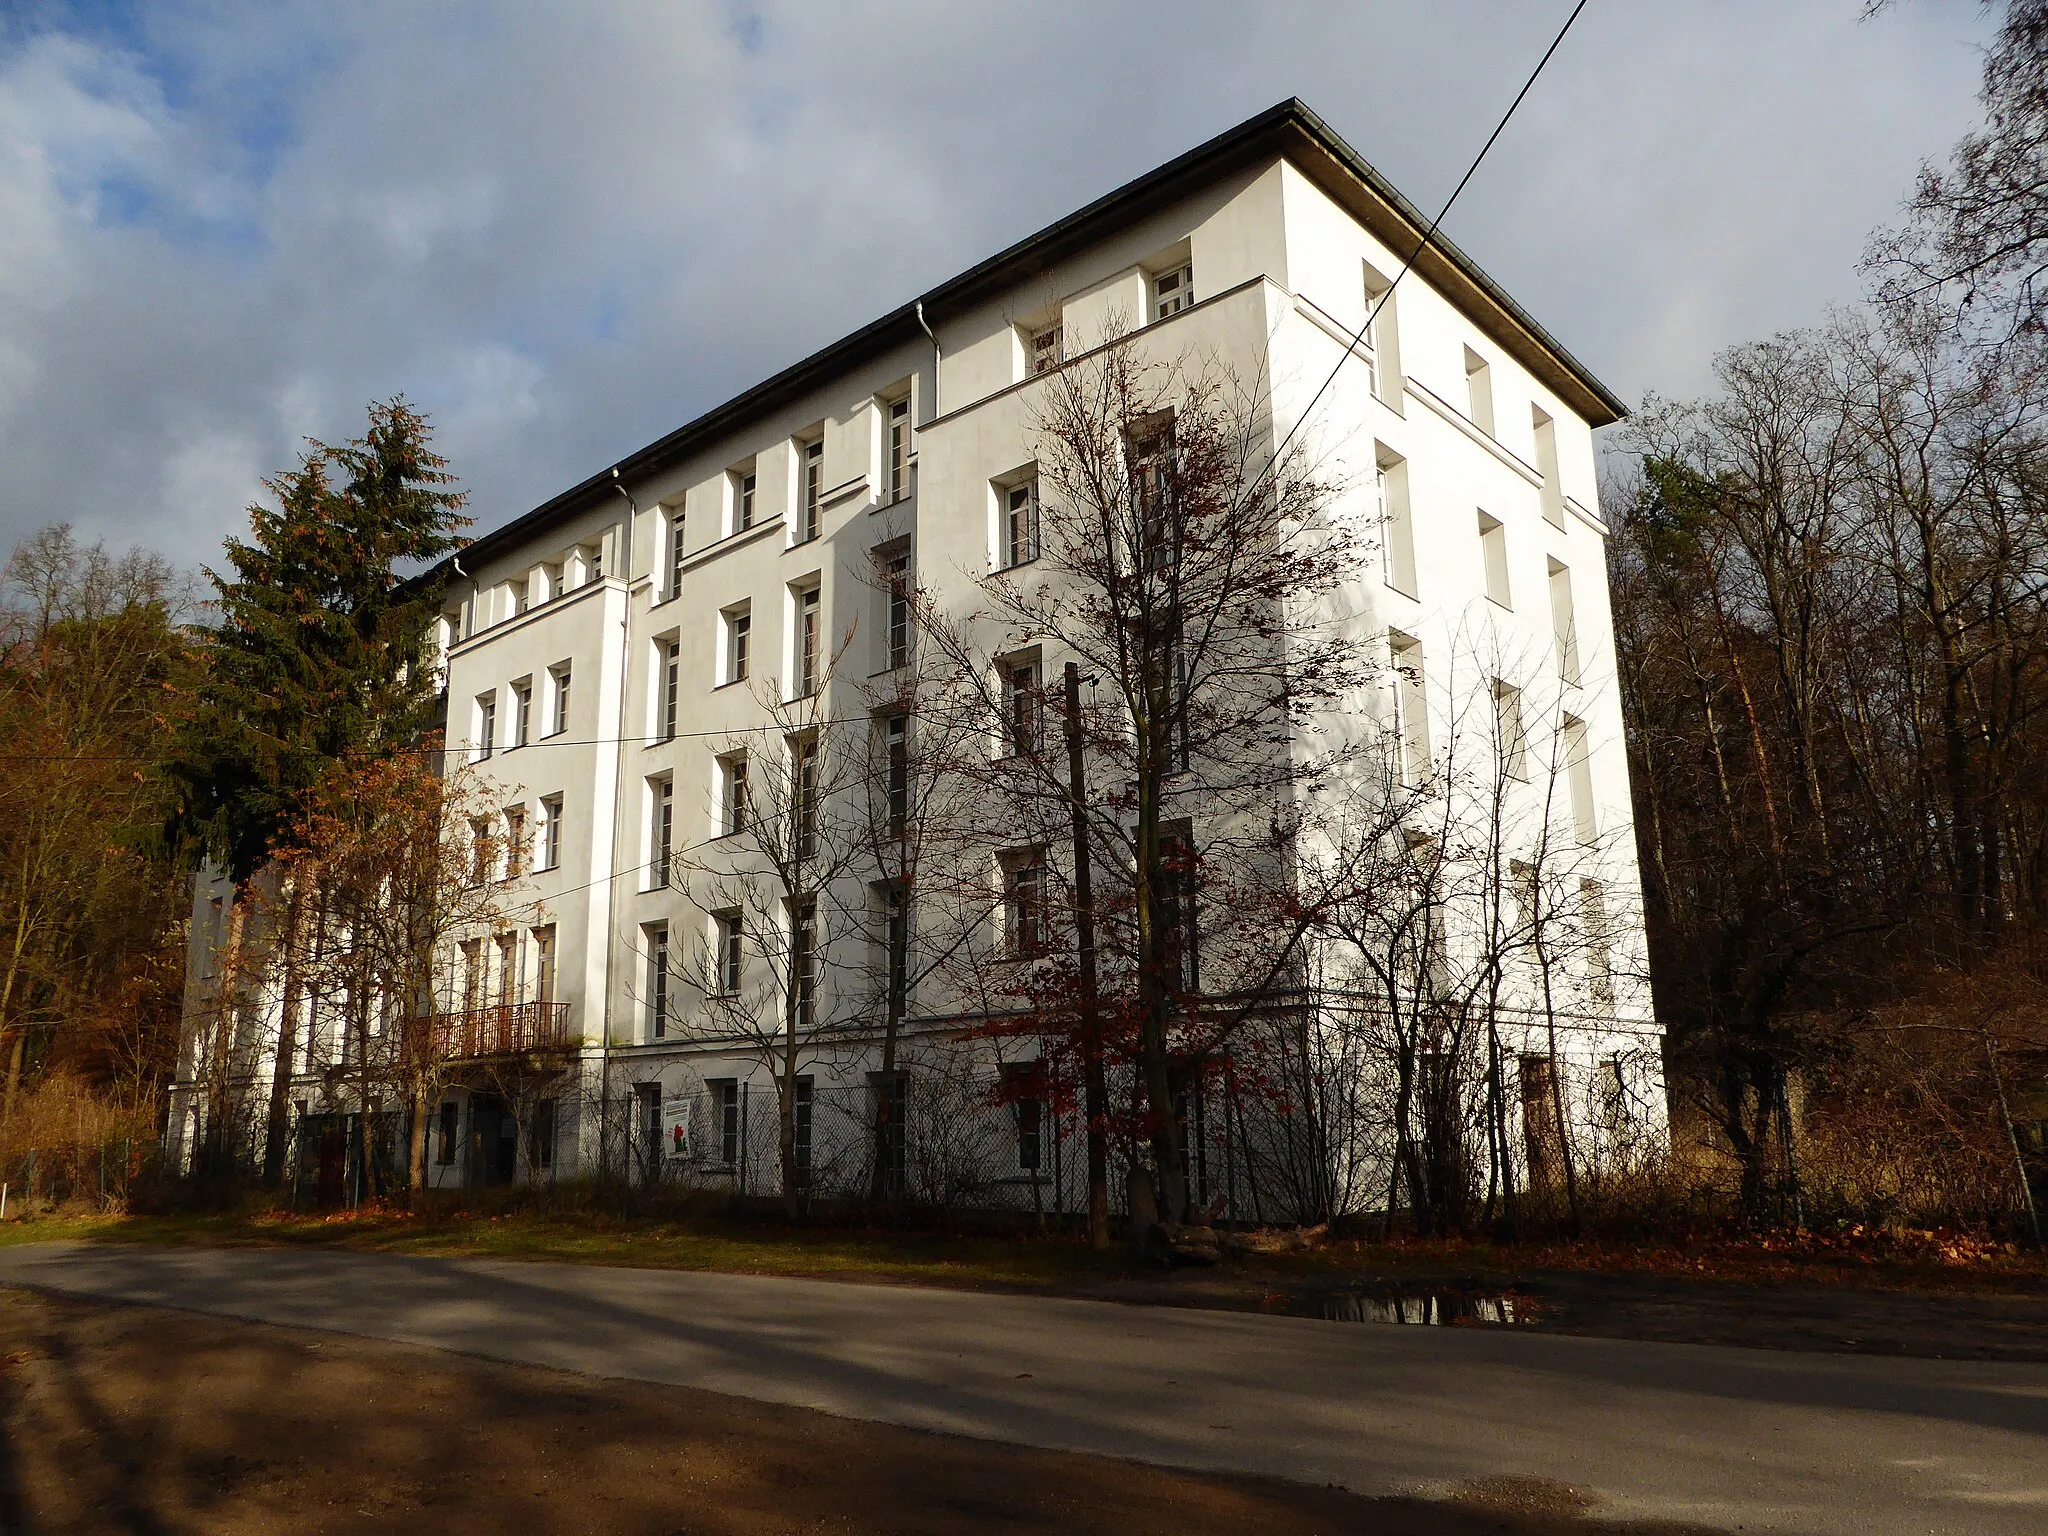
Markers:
point(1045, 349)
point(1173, 291)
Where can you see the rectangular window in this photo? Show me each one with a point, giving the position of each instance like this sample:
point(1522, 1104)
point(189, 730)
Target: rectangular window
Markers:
point(1562, 623)
point(544, 964)
point(1045, 350)
point(540, 1152)
point(728, 958)
point(508, 969)
point(1411, 707)
point(1173, 291)
point(446, 1135)
point(472, 975)
point(522, 712)
point(732, 815)
point(739, 626)
point(896, 943)
point(657, 980)
point(551, 832)
point(744, 488)
point(896, 574)
point(560, 723)
point(1599, 961)
point(1578, 767)
point(661, 843)
point(1509, 739)
point(1396, 527)
point(811, 507)
point(482, 856)
point(891, 1094)
point(671, 652)
point(1020, 522)
point(1546, 465)
point(515, 841)
point(800, 1112)
point(725, 1100)
point(803, 964)
point(486, 724)
point(1176, 902)
point(676, 549)
point(1151, 451)
point(1024, 905)
point(1479, 391)
point(1030, 1135)
point(1024, 1087)
point(1023, 713)
point(1523, 889)
point(896, 745)
point(1536, 1078)
point(1177, 728)
point(896, 471)
point(1383, 336)
point(803, 794)
point(1493, 554)
point(809, 639)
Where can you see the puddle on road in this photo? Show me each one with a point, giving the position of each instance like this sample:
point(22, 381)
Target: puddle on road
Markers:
point(1421, 1309)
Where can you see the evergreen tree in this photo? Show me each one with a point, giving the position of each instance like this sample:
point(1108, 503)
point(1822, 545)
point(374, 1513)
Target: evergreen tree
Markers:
point(320, 652)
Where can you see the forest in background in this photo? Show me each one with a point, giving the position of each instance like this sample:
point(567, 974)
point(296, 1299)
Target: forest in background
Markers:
point(1828, 581)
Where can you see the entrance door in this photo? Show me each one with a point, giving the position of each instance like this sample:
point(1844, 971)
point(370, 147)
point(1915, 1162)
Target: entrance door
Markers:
point(647, 1098)
point(333, 1180)
point(493, 1141)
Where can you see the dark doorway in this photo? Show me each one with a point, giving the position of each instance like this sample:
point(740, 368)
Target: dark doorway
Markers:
point(493, 1141)
point(647, 1104)
point(330, 1141)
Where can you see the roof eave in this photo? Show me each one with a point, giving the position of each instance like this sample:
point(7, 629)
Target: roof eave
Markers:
point(1289, 130)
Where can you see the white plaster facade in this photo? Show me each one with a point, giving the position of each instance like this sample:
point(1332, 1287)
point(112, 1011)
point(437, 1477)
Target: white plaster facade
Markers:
point(1460, 418)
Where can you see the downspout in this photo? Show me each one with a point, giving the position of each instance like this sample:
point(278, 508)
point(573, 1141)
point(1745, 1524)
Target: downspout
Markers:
point(604, 1086)
point(937, 358)
point(475, 589)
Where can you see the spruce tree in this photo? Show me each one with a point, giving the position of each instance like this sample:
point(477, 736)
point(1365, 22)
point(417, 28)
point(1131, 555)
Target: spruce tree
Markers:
point(320, 652)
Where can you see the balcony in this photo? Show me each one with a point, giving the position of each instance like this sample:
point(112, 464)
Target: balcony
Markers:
point(505, 1029)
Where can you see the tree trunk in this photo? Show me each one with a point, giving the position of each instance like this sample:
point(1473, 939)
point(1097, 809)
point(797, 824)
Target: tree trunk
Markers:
point(277, 1130)
point(14, 1055)
point(1095, 1087)
point(416, 1162)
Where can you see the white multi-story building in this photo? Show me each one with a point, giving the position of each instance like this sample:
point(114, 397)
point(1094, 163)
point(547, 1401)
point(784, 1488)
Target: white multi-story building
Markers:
point(604, 650)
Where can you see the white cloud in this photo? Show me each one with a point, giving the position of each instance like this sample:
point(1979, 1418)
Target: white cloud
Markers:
point(563, 231)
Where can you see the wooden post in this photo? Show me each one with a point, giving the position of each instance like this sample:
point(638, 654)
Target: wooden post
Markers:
point(1096, 1090)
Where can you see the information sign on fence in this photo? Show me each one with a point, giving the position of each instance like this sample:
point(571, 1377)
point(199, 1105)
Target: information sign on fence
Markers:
point(677, 1113)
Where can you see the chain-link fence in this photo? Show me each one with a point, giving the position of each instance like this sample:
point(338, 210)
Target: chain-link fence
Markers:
point(1305, 1137)
point(105, 1176)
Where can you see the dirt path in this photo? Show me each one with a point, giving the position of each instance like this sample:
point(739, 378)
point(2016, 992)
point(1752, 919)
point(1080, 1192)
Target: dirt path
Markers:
point(134, 1420)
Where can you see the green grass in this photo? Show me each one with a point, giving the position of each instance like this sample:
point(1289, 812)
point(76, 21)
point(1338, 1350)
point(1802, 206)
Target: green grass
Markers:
point(705, 1243)
point(715, 1239)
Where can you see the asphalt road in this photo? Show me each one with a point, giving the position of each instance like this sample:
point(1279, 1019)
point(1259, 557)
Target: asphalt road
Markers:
point(1738, 1439)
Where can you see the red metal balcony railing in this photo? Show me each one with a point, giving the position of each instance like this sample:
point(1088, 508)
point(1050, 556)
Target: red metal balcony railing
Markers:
point(504, 1029)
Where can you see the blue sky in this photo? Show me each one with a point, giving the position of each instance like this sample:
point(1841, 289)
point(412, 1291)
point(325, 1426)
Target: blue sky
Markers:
point(565, 230)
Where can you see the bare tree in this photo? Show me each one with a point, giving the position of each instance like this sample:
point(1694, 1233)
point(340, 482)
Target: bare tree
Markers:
point(797, 831)
point(393, 866)
point(1185, 569)
point(1978, 229)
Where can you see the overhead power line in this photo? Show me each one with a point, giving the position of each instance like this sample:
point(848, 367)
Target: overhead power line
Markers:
point(1421, 245)
point(1357, 337)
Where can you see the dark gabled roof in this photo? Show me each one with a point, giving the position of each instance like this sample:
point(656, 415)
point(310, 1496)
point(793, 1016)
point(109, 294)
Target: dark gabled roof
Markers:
point(1289, 130)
